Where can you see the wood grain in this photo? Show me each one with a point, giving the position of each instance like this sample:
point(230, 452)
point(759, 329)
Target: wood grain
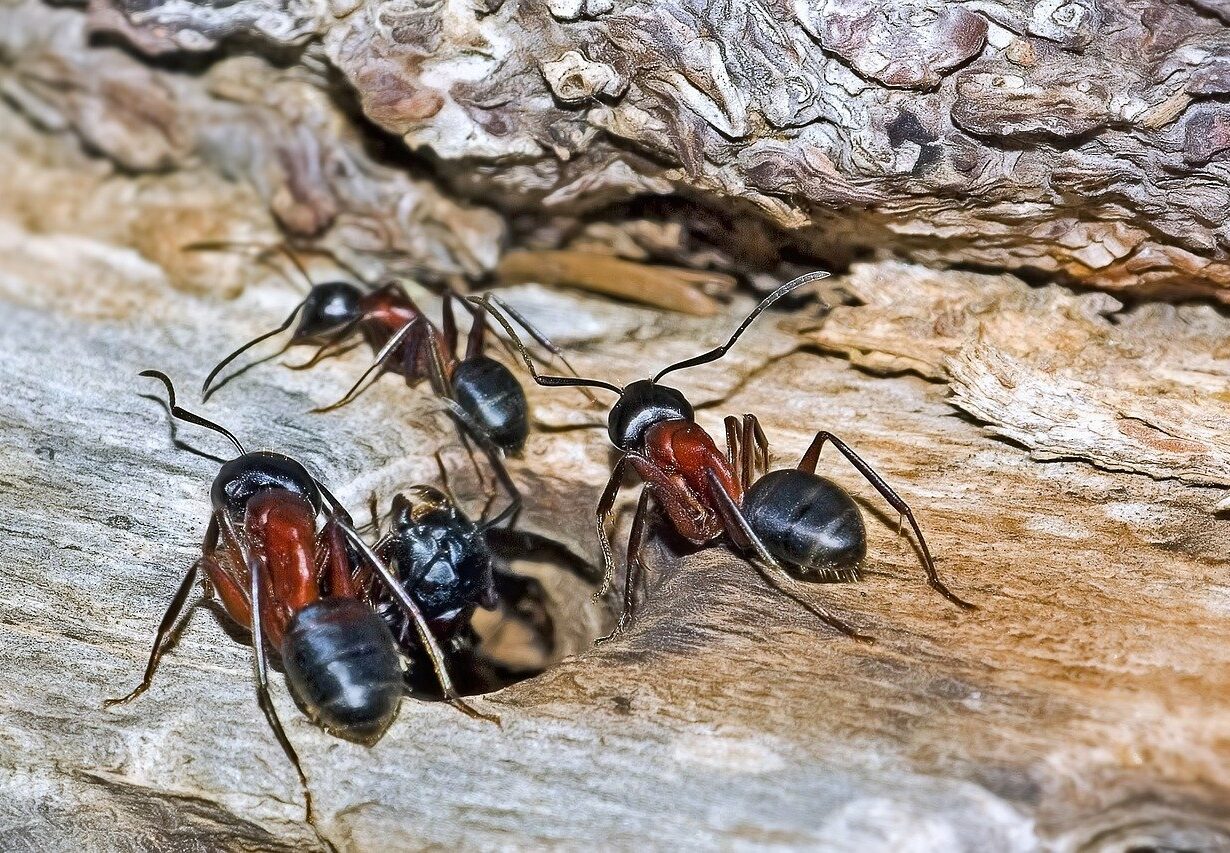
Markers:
point(1084, 707)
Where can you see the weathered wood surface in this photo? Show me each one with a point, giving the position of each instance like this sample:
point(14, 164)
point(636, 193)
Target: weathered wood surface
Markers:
point(1086, 706)
point(1083, 139)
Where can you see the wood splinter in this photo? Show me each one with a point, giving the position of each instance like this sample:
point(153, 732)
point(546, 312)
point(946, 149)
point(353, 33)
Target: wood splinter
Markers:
point(673, 288)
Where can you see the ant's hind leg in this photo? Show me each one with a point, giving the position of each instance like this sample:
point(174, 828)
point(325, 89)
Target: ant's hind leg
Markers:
point(812, 457)
point(770, 569)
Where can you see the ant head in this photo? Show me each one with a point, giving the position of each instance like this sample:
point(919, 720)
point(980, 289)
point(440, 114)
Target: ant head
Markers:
point(641, 405)
point(421, 504)
point(251, 473)
point(328, 308)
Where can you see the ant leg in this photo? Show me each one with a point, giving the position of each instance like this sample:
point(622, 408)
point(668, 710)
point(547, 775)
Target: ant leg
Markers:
point(476, 339)
point(606, 506)
point(808, 464)
point(751, 452)
point(407, 605)
point(341, 264)
point(543, 341)
point(263, 250)
point(445, 486)
point(332, 347)
point(448, 324)
point(469, 427)
point(373, 515)
point(382, 357)
point(732, 447)
point(484, 302)
point(325, 351)
point(263, 696)
point(335, 506)
point(634, 568)
point(169, 618)
point(762, 444)
point(741, 532)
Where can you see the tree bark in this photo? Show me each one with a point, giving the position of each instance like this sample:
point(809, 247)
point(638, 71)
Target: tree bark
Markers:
point(1083, 140)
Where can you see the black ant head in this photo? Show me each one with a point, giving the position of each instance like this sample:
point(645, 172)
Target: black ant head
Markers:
point(641, 405)
point(328, 308)
point(247, 475)
point(420, 505)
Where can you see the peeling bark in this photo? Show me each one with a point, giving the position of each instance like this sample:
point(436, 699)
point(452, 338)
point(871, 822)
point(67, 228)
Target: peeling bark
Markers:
point(1082, 140)
point(1066, 375)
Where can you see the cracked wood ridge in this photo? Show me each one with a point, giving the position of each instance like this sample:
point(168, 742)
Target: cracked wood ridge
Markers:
point(1066, 452)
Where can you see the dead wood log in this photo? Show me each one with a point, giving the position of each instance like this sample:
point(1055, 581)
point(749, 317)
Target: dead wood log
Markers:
point(1085, 707)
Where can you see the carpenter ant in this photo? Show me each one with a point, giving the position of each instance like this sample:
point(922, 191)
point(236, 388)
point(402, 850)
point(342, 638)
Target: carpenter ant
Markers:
point(300, 588)
point(480, 393)
point(444, 561)
point(794, 521)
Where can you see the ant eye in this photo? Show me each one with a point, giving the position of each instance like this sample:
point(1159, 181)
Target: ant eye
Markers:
point(242, 478)
point(328, 308)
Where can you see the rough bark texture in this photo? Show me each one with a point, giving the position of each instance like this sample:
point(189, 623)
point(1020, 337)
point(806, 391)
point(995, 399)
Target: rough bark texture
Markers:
point(1066, 455)
point(1082, 139)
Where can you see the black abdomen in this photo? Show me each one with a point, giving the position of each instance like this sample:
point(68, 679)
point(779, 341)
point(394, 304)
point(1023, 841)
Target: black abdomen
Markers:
point(806, 521)
point(343, 667)
point(490, 394)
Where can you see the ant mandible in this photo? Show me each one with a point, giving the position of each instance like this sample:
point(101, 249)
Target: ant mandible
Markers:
point(788, 518)
point(480, 393)
point(301, 590)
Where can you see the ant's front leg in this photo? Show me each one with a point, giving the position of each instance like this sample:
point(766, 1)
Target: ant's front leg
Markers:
point(380, 364)
point(635, 567)
point(165, 629)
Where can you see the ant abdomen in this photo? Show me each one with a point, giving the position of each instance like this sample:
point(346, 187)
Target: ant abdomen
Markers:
point(806, 521)
point(493, 397)
point(343, 667)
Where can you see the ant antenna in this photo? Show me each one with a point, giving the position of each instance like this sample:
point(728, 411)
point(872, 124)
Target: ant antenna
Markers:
point(206, 391)
point(718, 352)
point(184, 414)
point(262, 250)
point(550, 381)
